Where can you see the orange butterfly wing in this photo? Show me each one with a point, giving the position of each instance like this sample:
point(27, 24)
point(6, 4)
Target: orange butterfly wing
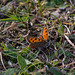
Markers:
point(36, 42)
point(45, 33)
point(34, 39)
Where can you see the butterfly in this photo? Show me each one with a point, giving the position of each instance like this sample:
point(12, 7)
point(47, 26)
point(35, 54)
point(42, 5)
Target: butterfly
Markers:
point(39, 41)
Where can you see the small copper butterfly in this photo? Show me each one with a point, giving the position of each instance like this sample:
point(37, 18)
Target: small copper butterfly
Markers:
point(40, 41)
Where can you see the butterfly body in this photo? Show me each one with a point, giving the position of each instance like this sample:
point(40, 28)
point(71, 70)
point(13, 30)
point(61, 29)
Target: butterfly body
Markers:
point(39, 41)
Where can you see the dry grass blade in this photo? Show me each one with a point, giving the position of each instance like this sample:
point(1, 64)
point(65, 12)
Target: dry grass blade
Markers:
point(67, 64)
point(68, 23)
point(69, 41)
point(2, 60)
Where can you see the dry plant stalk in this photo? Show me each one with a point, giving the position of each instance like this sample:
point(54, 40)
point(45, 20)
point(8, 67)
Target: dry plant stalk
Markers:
point(2, 60)
point(69, 41)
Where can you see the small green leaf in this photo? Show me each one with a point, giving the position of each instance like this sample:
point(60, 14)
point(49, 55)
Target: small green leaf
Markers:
point(72, 36)
point(11, 71)
point(55, 71)
point(11, 54)
point(69, 54)
point(9, 47)
point(8, 19)
point(21, 39)
point(21, 62)
point(4, 46)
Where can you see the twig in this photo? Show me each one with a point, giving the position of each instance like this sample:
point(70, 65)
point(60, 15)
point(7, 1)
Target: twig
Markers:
point(69, 41)
point(67, 64)
point(2, 60)
point(26, 34)
point(68, 23)
point(71, 3)
point(68, 31)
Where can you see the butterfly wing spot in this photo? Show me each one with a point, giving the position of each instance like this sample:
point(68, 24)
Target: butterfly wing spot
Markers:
point(40, 40)
point(36, 40)
point(30, 40)
point(33, 41)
